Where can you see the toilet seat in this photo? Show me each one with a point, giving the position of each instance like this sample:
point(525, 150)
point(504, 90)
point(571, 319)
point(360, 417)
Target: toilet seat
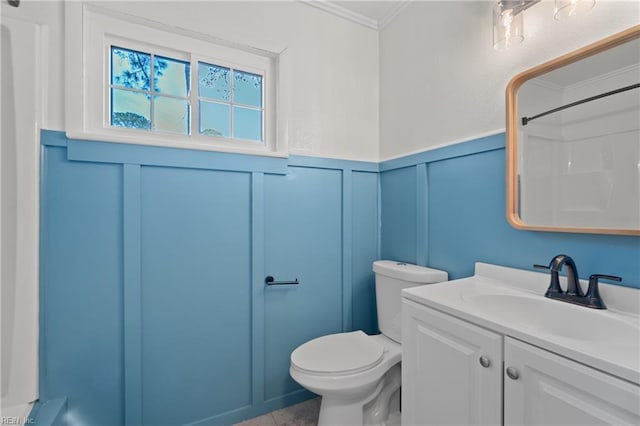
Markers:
point(338, 354)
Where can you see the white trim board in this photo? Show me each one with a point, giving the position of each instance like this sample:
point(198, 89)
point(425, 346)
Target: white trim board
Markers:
point(358, 18)
point(398, 7)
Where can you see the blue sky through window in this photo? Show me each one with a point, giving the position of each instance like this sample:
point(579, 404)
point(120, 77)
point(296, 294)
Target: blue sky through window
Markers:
point(222, 90)
point(247, 89)
point(175, 79)
point(130, 109)
point(247, 123)
point(214, 119)
point(213, 81)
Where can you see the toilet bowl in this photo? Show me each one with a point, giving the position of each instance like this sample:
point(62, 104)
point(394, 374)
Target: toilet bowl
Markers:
point(357, 375)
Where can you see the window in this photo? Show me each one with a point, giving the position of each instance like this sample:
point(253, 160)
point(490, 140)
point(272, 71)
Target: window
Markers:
point(174, 89)
point(229, 102)
point(152, 92)
point(149, 91)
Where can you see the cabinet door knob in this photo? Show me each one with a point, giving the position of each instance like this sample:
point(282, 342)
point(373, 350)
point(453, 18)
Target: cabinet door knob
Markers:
point(485, 362)
point(513, 373)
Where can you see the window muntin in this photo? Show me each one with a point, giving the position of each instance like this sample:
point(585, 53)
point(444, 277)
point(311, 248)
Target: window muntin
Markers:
point(157, 98)
point(230, 102)
point(147, 97)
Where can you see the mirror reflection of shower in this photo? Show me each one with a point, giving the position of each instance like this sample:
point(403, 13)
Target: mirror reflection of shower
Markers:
point(579, 143)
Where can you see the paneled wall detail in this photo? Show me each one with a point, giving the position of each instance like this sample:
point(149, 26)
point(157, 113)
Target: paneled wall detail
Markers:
point(445, 208)
point(153, 303)
point(154, 309)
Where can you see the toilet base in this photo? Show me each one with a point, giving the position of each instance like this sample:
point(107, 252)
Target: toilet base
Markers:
point(372, 410)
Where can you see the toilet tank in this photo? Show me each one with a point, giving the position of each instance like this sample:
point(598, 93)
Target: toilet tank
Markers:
point(391, 278)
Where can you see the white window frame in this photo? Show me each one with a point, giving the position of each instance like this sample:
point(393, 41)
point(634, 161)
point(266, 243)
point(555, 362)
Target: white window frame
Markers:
point(101, 29)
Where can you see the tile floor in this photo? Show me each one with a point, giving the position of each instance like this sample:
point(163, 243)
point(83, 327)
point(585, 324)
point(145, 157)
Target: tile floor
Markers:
point(303, 414)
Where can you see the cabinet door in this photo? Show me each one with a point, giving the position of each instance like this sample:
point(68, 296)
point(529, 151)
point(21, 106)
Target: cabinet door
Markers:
point(552, 390)
point(443, 381)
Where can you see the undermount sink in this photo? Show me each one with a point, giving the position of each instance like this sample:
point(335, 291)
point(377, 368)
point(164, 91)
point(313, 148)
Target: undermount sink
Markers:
point(557, 317)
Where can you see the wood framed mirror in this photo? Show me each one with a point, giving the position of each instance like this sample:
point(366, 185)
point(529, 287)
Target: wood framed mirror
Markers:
point(573, 141)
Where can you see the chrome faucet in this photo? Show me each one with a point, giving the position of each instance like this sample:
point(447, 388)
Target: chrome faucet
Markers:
point(574, 293)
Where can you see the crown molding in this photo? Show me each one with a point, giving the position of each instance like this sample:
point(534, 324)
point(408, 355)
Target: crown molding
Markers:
point(343, 12)
point(398, 7)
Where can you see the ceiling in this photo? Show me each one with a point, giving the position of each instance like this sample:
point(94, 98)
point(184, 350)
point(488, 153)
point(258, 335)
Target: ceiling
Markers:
point(373, 14)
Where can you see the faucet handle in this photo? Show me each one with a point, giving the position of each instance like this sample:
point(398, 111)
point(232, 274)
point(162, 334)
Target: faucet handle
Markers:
point(593, 294)
point(554, 285)
point(605, 277)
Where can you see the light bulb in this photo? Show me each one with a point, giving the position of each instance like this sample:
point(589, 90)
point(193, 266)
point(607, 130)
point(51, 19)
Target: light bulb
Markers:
point(508, 29)
point(569, 8)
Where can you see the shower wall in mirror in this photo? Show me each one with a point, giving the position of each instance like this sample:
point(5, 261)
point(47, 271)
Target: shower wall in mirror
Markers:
point(574, 141)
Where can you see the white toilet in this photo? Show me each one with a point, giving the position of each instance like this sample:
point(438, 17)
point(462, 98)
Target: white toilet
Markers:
point(358, 376)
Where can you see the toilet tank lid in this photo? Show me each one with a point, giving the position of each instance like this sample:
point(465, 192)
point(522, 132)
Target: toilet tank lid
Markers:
point(408, 272)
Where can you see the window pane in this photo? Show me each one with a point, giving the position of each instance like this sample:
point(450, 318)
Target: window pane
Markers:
point(247, 89)
point(171, 115)
point(213, 81)
point(171, 76)
point(247, 124)
point(130, 68)
point(130, 109)
point(214, 119)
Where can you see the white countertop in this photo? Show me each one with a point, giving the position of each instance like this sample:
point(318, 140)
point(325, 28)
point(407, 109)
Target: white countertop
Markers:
point(511, 302)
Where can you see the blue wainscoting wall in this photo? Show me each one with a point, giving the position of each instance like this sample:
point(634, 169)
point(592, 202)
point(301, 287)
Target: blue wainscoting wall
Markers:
point(452, 200)
point(153, 305)
point(81, 292)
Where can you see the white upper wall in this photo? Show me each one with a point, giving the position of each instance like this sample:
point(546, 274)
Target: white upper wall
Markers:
point(441, 81)
point(431, 77)
point(332, 64)
point(49, 16)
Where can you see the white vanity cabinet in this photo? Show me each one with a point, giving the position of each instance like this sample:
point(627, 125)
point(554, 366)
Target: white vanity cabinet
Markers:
point(443, 381)
point(455, 372)
point(542, 388)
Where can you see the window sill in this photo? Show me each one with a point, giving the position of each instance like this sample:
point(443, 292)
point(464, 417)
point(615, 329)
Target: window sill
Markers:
point(178, 142)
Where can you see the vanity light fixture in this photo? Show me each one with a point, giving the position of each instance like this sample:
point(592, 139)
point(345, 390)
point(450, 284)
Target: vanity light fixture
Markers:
point(508, 25)
point(508, 19)
point(568, 8)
